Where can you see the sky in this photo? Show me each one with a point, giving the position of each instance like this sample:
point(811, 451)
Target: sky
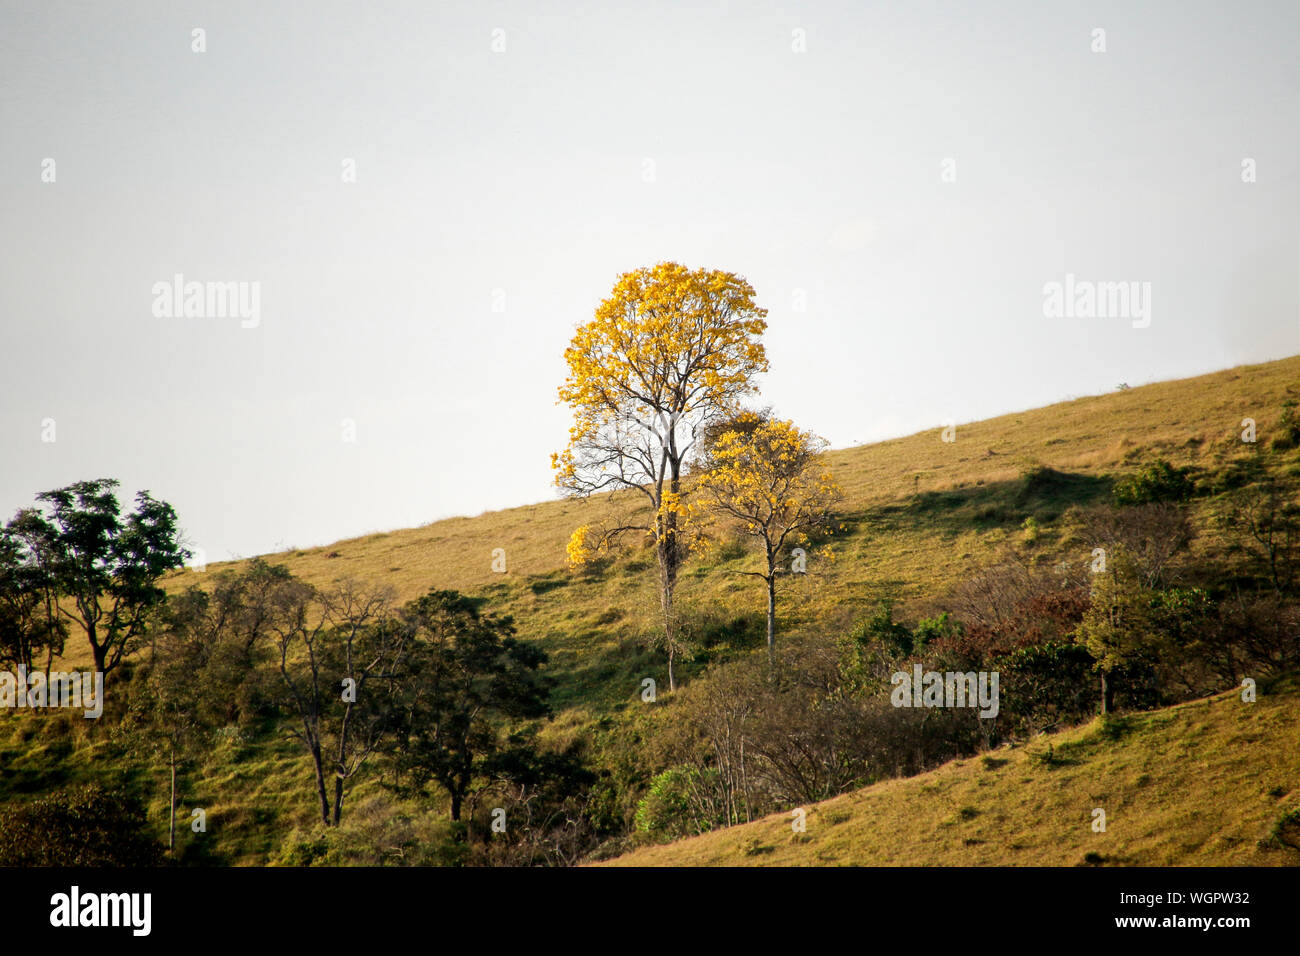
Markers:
point(428, 199)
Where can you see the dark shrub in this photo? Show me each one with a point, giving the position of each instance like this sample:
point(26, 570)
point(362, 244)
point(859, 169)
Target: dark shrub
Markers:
point(85, 825)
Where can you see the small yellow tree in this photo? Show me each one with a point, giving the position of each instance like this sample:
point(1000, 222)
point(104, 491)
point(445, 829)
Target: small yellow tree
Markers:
point(765, 478)
point(668, 354)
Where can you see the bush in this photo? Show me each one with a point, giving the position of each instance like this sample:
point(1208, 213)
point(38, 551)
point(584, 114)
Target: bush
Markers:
point(1158, 481)
point(1286, 830)
point(672, 808)
point(882, 628)
point(378, 832)
point(1046, 685)
point(1288, 429)
point(85, 825)
point(935, 628)
point(1032, 530)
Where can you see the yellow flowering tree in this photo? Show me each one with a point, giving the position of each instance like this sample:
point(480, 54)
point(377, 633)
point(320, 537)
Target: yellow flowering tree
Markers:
point(668, 354)
point(766, 478)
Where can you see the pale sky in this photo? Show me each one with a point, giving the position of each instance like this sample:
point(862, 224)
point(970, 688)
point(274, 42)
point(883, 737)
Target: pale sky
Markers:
point(603, 137)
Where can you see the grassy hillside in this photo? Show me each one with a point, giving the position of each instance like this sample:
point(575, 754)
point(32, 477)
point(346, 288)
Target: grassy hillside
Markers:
point(1210, 782)
point(919, 514)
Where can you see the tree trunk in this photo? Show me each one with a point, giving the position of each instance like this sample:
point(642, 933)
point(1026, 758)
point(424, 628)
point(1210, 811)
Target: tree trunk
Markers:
point(338, 798)
point(171, 824)
point(666, 600)
point(669, 559)
point(1107, 694)
point(99, 651)
point(320, 784)
point(744, 780)
point(771, 621)
point(455, 806)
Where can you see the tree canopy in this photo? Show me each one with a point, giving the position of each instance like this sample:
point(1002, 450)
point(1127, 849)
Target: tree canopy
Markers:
point(98, 567)
point(765, 477)
point(668, 353)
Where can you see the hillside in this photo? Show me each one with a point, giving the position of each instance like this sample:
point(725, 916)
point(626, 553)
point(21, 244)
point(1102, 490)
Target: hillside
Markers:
point(1201, 783)
point(919, 514)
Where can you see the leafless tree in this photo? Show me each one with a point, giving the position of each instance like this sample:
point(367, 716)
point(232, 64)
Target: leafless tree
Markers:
point(1265, 518)
point(337, 653)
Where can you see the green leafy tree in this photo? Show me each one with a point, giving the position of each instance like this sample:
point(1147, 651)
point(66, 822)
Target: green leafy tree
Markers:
point(104, 565)
point(30, 624)
point(467, 676)
point(166, 716)
point(1119, 625)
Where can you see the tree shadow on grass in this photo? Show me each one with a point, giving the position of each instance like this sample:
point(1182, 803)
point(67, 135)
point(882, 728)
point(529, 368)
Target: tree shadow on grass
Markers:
point(1043, 494)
